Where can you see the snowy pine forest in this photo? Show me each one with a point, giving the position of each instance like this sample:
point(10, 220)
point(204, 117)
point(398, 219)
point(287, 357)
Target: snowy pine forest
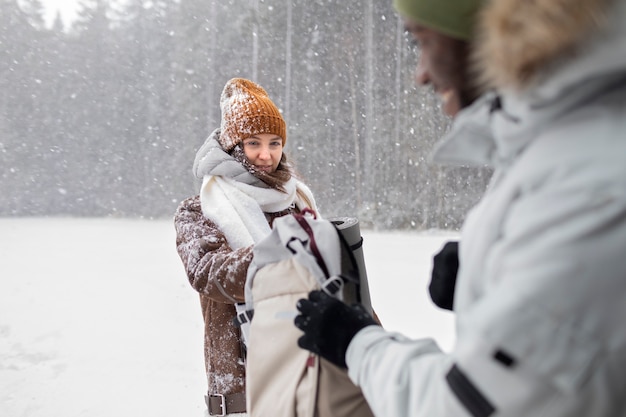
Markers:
point(102, 116)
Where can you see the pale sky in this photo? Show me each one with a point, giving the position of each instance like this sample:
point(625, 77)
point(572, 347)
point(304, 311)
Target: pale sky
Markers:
point(67, 8)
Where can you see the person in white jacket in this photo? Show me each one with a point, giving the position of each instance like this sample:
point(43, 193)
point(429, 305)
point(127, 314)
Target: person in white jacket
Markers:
point(541, 284)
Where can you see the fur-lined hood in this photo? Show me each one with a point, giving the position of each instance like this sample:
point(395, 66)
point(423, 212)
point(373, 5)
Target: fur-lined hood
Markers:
point(522, 44)
point(539, 59)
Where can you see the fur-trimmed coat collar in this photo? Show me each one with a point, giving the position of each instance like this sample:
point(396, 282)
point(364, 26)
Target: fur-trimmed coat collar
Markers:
point(523, 43)
point(539, 60)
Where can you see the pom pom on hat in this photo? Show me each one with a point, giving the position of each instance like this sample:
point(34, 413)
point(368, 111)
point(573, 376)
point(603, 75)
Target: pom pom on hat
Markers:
point(247, 111)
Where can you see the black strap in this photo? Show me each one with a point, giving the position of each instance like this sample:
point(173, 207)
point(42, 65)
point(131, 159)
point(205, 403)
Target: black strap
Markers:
point(357, 245)
point(468, 393)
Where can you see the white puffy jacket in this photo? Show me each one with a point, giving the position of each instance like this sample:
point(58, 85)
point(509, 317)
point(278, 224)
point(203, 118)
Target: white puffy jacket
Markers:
point(541, 291)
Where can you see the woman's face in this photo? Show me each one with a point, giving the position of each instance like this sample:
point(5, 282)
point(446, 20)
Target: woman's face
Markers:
point(264, 151)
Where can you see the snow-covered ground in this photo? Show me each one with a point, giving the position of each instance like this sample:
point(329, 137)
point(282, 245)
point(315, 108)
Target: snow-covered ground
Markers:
point(97, 318)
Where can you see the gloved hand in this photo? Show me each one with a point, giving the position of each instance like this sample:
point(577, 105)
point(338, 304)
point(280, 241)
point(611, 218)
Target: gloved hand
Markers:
point(443, 277)
point(329, 325)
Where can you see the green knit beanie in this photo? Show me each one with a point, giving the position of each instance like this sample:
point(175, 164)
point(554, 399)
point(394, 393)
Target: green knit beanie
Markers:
point(454, 18)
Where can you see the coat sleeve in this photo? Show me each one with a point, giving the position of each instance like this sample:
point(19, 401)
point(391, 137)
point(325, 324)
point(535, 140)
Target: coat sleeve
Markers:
point(412, 370)
point(544, 334)
point(212, 266)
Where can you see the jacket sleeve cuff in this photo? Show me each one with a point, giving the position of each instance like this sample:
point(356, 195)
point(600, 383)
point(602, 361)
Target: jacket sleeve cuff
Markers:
point(371, 345)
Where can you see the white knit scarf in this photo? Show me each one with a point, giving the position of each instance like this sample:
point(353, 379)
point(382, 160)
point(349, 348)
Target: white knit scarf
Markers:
point(238, 208)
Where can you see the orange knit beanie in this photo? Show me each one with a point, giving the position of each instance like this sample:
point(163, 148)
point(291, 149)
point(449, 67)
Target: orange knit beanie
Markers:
point(246, 111)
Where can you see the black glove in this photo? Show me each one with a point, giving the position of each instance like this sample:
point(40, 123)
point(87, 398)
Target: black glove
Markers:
point(443, 278)
point(329, 325)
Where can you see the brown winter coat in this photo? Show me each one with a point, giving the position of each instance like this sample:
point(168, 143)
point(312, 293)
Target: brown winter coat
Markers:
point(218, 273)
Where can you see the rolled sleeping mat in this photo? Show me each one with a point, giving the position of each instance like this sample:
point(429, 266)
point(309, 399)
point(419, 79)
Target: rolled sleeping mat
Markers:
point(351, 232)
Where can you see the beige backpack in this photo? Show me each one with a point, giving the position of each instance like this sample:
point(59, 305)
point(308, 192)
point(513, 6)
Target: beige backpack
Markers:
point(282, 380)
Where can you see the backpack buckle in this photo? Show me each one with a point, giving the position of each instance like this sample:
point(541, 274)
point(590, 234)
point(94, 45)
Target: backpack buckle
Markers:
point(333, 285)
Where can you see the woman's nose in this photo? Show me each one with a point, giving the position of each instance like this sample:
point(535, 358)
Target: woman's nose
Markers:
point(264, 153)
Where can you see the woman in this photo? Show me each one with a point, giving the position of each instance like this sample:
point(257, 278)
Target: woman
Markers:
point(247, 183)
